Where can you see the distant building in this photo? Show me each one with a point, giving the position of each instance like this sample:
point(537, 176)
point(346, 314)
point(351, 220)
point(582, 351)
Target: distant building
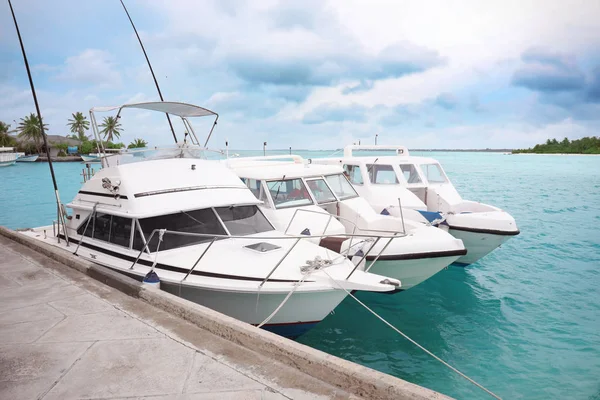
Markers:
point(53, 140)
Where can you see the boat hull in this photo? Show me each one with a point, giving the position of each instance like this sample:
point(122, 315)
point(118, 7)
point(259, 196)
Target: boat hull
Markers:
point(301, 312)
point(7, 163)
point(478, 244)
point(412, 272)
point(32, 158)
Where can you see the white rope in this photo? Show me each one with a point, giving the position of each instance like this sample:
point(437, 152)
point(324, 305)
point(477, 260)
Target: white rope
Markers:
point(296, 286)
point(415, 343)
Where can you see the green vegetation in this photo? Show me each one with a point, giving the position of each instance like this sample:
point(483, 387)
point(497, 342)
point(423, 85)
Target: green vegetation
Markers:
point(91, 146)
point(111, 128)
point(586, 145)
point(137, 144)
point(5, 139)
point(79, 124)
point(30, 137)
point(29, 129)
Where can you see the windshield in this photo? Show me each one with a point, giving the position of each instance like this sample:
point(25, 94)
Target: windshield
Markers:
point(202, 221)
point(410, 173)
point(382, 174)
point(289, 193)
point(321, 191)
point(433, 173)
point(244, 220)
point(341, 187)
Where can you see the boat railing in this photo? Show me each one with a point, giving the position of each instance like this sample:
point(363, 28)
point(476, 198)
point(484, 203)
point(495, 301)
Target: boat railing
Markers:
point(163, 152)
point(213, 238)
point(355, 227)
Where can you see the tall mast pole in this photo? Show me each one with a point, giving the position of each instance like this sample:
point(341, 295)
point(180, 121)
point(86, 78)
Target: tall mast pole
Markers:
point(37, 108)
point(149, 66)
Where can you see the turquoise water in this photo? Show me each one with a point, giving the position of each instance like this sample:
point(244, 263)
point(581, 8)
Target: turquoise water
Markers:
point(524, 321)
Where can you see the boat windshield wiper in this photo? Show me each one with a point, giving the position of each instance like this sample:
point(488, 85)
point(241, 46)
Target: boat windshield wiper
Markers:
point(370, 168)
point(279, 187)
point(188, 215)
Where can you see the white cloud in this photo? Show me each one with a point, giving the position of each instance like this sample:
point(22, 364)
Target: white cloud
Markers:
point(91, 67)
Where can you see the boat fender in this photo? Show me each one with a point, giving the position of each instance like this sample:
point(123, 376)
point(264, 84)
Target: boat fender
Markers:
point(152, 280)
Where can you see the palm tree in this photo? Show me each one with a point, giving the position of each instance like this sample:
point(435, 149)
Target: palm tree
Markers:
point(79, 124)
point(5, 138)
point(29, 128)
point(111, 128)
point(137, 144)
point(4, 127)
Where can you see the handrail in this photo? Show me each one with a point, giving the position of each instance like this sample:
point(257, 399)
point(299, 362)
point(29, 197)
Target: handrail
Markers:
point(214, 237)
point(92, 215)
point(394, 233)
point(362, 259)
point(199, 258)
point(279, 262)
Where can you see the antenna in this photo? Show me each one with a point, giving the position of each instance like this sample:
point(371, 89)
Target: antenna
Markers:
point(37, 108)
point(149, 66)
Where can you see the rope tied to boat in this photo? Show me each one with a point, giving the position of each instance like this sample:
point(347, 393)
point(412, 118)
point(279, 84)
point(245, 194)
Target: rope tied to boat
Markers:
point(413, 341)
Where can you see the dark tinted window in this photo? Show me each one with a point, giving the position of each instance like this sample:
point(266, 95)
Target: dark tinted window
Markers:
point(108, 228)
point(198, 221)
point(244, 220)
point(120, 231)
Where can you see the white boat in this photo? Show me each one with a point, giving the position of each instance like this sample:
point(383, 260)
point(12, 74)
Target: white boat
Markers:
point(197, 225)
point(421, 189)
point(8, 156)
point(302, 198)
point(27, 158)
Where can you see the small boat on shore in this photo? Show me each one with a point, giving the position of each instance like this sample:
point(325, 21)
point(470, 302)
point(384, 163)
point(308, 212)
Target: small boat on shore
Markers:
point(419, 188)
point(8, 156)
point(27, 158)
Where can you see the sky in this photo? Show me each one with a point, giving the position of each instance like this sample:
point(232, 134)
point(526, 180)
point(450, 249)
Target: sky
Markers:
point(315, 74)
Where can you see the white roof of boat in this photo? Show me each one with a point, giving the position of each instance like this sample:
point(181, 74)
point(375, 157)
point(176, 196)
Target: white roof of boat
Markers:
point(183, 110)
point(380, 160)
point(159, 187)
point(7, 149)
point(268, 170)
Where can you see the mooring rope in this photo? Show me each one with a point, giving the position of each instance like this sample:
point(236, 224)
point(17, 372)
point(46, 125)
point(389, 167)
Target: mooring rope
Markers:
point(413, 342)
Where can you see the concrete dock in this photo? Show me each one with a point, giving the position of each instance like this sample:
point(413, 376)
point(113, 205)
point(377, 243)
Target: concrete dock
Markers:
point(73, 330)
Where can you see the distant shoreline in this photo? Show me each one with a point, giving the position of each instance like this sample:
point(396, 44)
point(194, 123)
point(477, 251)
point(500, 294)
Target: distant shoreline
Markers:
point(553, 154)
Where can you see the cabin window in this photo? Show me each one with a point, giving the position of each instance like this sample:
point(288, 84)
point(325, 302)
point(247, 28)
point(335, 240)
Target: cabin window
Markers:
point(244, 220)
point(289, 193)
point(353, 174)
point(321, 191)
point(341, 187)
point(202, 221)
point(108, 228)
point(253, 185)
point(410, 173)
point(433, 173)
point(382, 174)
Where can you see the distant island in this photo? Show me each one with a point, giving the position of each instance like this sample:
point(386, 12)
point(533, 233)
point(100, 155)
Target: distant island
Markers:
point(586, 145)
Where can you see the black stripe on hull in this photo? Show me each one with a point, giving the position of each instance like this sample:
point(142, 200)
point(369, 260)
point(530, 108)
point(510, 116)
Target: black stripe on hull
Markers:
point(418, 256)
point(171, 268)
point(486, 231)
point(112, 196)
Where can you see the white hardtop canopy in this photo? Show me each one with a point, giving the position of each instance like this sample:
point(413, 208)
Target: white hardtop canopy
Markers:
point(260, 168)
point(7, 149)
point(183, 110)
point(400, 150)
point(160, 187)
point(382, 160)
